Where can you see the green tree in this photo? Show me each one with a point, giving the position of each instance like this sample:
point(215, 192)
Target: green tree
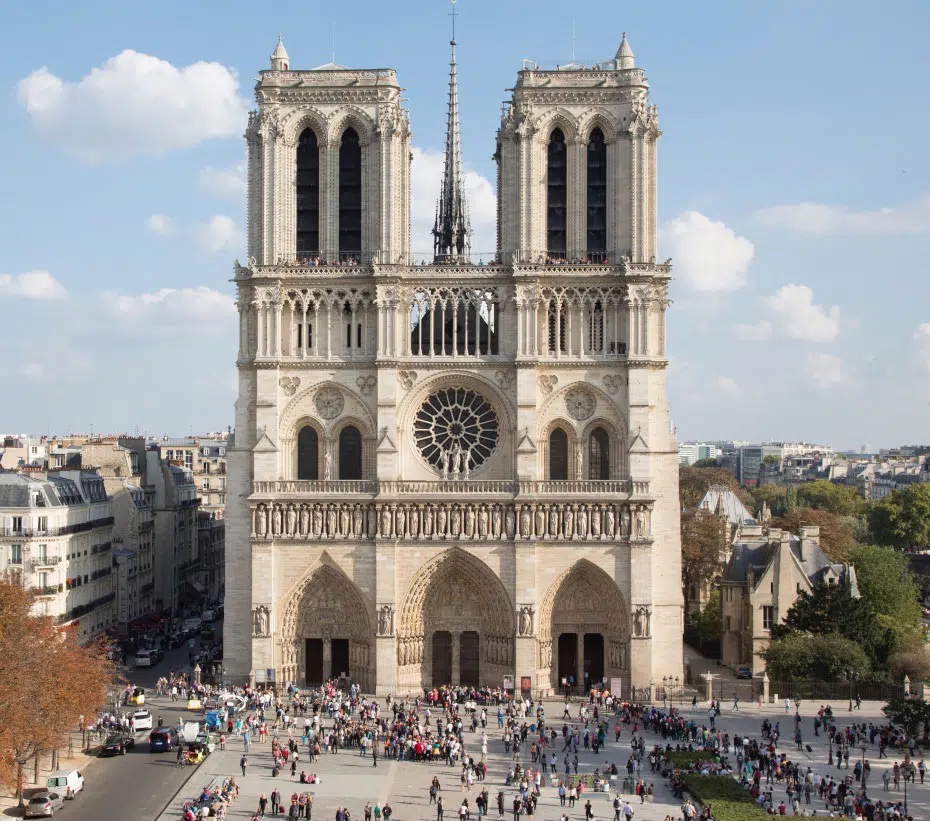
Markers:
point(887, 583)
point(840, 500)
point(706, 463)
point(903, 518)
point(836, 537)
point(791, 499)
point(911, 713)
point(831, 609)
point(773, 495)
point(702, 545)
point(707, 623)
point(821, 657)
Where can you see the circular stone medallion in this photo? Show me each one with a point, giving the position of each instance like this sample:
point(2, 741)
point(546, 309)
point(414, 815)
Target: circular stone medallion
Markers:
point(455, 421)
point(580, 404)
point(329, 402)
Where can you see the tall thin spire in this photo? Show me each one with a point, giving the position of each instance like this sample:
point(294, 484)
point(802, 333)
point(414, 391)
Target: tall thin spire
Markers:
point(452, 231)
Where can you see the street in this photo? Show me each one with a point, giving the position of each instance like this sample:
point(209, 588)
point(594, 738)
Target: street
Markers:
point(138, 784)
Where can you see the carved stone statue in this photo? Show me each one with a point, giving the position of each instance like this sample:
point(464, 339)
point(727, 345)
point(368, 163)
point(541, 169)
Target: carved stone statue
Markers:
point(317, 516)
point(510, 522)
point(442, 522)
point(261, 524)
point(357, 520)
point(345, 521)
point(525, 522)
point(496, 521)
point(470, 521)
point(568, 522)
point(260, 620)
point(385, 522)
point(291, 520)
point(331, 520)
point(276, 520)
point(596, 522)
point(483, 521)
point(610, 523)
point(386, 620)
point(428, 518)
point(455, 522)
point(526, 620)
point(400, 522)
point(413, 522)
point(625, 521)
point(304, 520)
point(327, 464)
point(581, 524)
point(540, 521)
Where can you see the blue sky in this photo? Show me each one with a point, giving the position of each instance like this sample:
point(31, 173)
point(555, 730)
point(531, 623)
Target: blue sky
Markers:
point(794, 195)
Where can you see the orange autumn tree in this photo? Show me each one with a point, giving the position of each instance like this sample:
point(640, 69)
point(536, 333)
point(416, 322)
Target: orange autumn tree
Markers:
point(47, 681)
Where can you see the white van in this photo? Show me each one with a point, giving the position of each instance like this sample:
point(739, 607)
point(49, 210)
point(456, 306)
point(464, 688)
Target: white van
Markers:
point(143, 658)
point(67, 782)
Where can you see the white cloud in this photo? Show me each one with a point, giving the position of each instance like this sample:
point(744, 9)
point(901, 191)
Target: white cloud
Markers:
point(758, 331)
point(34, 370)
point(727, 387)
point(160, 224)
point(32, 285)
point(425, 180)
point(219, 234)
point(799, 318)
point(708, 256)
point(824, 370)
point(820, 219)
point(134, 104)
point(224, 182)
point(190, 310)
point(922, 341)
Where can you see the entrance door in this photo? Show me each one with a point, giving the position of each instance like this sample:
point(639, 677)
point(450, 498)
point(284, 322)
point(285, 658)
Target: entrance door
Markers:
point(469, 658)
point(568, 657)
point(442, 658)
point(593, 658)
point(340, 650)
point(314, 654)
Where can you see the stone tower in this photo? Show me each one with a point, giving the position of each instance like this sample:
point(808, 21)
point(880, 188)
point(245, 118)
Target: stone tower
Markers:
point(453, 472)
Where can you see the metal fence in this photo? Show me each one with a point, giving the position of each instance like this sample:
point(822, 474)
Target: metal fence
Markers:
point(836, 690)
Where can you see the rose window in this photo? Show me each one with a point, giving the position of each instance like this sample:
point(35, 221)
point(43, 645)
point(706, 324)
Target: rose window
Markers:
point(456, 431)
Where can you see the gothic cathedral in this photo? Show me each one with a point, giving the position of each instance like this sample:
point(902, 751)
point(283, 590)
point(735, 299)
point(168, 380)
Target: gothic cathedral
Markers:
point(447, 472)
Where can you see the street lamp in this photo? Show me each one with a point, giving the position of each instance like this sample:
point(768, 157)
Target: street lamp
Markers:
point(830, 748)
point(862, 779)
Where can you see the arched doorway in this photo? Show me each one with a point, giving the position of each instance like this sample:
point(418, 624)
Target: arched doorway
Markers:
point(584, 629)
point(325, 631)
point(456, 625)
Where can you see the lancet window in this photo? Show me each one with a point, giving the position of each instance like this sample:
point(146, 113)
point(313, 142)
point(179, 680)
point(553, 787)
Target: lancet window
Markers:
point(597, 197)
point(308, 454)
point(350, 453)
point(582, 322)
point(308, 195)
point(454, 322)
point(556, 195)
point(350, 196)
point(558, 455)
point(599, 454)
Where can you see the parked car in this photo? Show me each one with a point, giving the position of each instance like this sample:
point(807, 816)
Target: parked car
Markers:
point(117, 744)
point(744, 671)
point(143, 658)
point(69, 782)
point(142, 720)
point(163, 739)
point(44, 804)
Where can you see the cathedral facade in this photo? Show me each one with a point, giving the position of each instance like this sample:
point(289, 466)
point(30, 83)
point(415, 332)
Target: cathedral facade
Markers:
point(447, 472)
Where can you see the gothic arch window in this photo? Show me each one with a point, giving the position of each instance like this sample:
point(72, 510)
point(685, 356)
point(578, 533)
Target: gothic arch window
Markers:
point(350, 453)
point(556, 327)
point(308, 195)
point(599, 454)
point(597, 196)
point(556, 194)
point(595, 326)
point(350, 195)
point(308, 454)
point(558, 455)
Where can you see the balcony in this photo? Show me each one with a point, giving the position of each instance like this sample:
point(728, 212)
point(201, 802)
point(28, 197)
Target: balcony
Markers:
point(48, 590)
point(29, 532)
point(453, 487)
point(45, 561)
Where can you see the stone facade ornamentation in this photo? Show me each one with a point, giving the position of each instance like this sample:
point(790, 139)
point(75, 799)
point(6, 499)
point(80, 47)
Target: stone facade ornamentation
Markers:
point(525, 620)
point(547, 381)
point(366, 384)
point(612, 383)
point(580, 404)
point(505, 379)
point(261, 621)
point(642, 622)
point(329, 402)
point(289, 384)
point(386, 620)
point(407, 379)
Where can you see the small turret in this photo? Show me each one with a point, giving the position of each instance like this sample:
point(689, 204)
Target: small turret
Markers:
point(279, 57)
point(625, 57)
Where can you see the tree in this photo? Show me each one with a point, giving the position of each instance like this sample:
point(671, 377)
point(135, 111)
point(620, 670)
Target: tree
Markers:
point(887, 583)
point(707, 623)
point(47, 678)
point(840, 500)
point(706, 463)
point(836, 537)
point(831, 609)
point(775, 496)
point(693, 483)
point(820, 657)
point(914, 662)
point(911, 713)
point(903, 518)
point(703, 539)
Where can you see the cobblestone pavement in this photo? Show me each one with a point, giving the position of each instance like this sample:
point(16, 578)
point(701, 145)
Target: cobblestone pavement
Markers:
point(349, 780)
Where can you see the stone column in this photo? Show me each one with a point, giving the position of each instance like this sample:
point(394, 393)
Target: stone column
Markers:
point(580, 674)
point(327, 659)
point(456, 666)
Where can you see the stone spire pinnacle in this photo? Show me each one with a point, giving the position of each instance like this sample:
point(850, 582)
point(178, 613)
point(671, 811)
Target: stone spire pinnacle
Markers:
point(279, 57)
point(625, 57)
point(452, 231)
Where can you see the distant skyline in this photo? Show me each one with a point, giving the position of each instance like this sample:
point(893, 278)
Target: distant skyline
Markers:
point(794, 195)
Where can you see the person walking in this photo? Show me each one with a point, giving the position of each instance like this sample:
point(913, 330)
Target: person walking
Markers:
point(439, 808)
point(243, 763)
point(275, 798)
point(262, 805)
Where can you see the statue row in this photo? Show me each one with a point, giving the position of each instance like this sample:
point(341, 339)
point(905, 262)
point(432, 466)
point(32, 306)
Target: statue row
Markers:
point(442, 520)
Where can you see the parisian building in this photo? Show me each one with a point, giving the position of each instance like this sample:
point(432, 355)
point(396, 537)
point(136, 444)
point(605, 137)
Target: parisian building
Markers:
point(453, 473)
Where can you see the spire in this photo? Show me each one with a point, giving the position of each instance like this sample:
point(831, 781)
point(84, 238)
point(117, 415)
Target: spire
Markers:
point(279, 57)
point(625, 57)
point(452, 231)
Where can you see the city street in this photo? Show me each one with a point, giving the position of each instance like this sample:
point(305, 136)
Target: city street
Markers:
point(349, 780)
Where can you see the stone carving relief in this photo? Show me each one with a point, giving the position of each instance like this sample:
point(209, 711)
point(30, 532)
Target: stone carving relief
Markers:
point(547, 381)
point(386, 620)
point(612, 383)
point(329, 402)
point(469, 521)
point(505, 379)
point(289, 384)
point(407, 379)
point(366, 384)
point(261, 621)
point(580, 404)
point(642, 618)
point(525, 620)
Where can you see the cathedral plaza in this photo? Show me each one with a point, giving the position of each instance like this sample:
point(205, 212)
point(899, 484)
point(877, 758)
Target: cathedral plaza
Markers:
point(447, 472)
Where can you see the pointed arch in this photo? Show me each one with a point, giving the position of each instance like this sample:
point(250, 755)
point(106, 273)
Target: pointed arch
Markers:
point(556, 194)
point(596, 195)
point(308, 193)
point(350, 194)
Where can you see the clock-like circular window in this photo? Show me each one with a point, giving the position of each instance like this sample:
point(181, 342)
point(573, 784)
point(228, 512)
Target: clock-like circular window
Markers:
point(456, 430)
